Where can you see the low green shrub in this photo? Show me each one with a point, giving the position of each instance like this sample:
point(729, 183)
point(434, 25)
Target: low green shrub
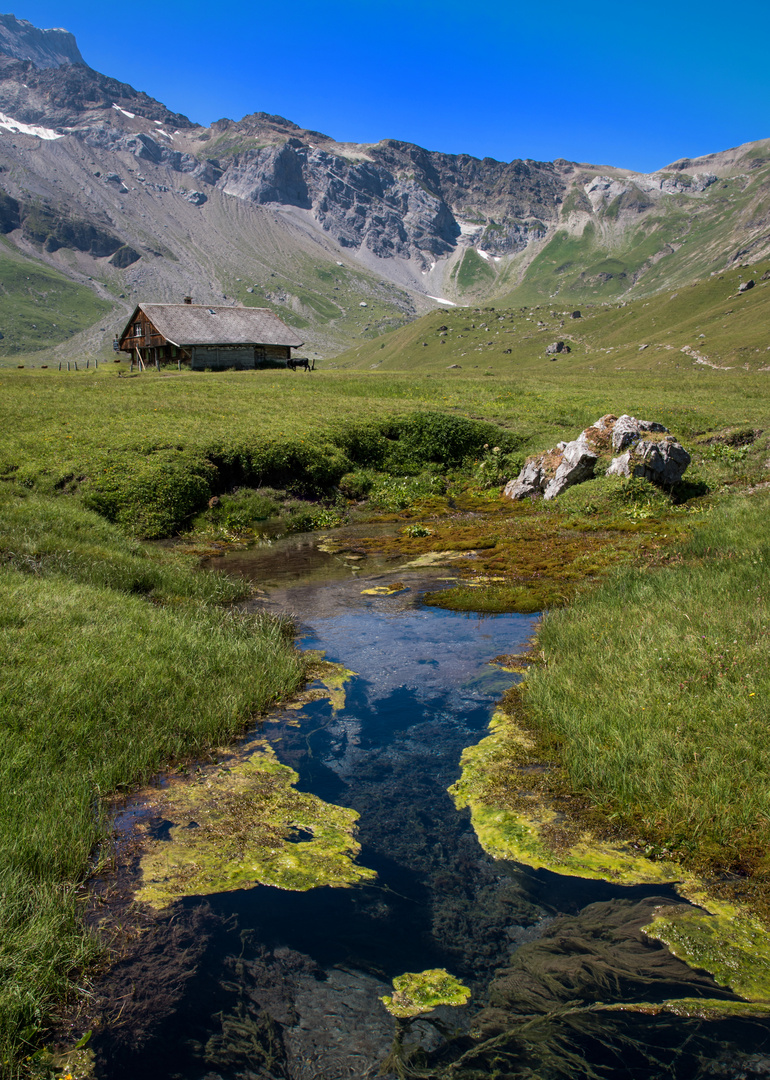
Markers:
point(357, 485)
point(153, 495)
point(364, 443)
point(306, 520)
point(439, 438)
point(238, 512)
point(399, 492)
point(495, 468)
point(631, 496)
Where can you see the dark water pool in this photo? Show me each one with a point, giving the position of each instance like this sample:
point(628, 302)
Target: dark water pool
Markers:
point(265, 983)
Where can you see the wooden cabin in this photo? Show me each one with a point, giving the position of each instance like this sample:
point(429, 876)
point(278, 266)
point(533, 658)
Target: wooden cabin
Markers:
point(207, 337)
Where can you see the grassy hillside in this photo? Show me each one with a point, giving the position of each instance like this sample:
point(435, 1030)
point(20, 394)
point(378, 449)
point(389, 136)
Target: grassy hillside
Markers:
point(40, 307)
point(631, 246)
point(725, 328)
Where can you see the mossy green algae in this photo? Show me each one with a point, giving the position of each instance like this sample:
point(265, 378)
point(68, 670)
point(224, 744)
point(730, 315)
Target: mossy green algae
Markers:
point(332, 678)
point(513, 823)
point(721, 938)
point(416, 993)
point(514, 831)
point(386, 590)
point(233, 829)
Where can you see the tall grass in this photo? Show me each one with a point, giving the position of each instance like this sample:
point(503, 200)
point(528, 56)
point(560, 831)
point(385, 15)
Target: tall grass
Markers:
point(99, 688)
point(657, 693)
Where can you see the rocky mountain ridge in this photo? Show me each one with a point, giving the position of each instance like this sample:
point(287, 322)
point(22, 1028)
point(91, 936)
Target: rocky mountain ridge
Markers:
point(45, 48)
point(108, 187)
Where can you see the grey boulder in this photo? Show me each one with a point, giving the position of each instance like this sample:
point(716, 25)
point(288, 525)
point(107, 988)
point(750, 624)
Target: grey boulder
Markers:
point(627, 430)
point(577, 464)
point(532, 480)
point(663, 461)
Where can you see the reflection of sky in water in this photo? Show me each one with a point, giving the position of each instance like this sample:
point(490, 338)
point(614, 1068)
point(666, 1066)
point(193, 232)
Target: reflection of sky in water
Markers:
point(427, 650)
point(317, 963)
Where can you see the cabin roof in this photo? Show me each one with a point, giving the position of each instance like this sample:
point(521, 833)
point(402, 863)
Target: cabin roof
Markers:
point(200, 324)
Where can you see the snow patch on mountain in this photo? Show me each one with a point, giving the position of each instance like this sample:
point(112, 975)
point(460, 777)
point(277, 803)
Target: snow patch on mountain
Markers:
point(17, 128)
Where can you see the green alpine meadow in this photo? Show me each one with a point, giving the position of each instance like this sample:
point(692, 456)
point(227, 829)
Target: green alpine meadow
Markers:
point(650, 688)
point(544, 386)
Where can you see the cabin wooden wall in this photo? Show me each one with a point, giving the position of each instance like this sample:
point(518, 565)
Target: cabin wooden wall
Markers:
point(148, 336)
point(220, 357)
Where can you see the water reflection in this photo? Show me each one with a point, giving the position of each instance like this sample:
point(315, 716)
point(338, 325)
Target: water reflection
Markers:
point(264, 983)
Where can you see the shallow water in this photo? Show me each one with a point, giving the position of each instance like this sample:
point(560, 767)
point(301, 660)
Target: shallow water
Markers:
point(266, 983)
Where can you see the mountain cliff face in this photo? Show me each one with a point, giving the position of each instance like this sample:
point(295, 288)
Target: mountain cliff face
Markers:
point(45, 48)
point(132, 202)
point(393, 199)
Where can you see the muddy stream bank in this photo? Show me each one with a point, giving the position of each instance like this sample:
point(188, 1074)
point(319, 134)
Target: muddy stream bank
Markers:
point(271, 982)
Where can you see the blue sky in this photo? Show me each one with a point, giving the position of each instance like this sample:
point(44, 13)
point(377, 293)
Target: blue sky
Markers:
point(633, 85)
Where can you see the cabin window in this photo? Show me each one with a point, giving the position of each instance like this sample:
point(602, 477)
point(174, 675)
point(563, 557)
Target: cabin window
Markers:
point(137, 329)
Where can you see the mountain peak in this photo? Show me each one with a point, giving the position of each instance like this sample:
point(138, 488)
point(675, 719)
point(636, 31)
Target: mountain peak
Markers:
point(45, 48)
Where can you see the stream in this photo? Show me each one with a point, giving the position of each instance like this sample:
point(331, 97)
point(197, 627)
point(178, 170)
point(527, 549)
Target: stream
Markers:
point(267, 983)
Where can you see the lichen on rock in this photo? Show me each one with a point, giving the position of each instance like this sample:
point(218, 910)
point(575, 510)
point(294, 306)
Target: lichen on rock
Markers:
point(235, 828)
point(417, 993)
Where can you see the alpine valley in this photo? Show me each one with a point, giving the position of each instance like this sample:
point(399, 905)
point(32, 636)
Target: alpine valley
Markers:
point(107, 199)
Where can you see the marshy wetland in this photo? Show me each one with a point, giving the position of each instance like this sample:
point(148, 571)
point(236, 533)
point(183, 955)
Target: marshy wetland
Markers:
point(135, 685)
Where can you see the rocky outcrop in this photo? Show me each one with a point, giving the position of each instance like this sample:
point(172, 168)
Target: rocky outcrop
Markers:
point(532, 480)
point(125, 256)
point(663, 461)
point(361, 204)
point(553, 472)
point(557, 347)
point(577, 464)
point(394, 199)
point(45, 48)
point(53, 230)
point(65, 96)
